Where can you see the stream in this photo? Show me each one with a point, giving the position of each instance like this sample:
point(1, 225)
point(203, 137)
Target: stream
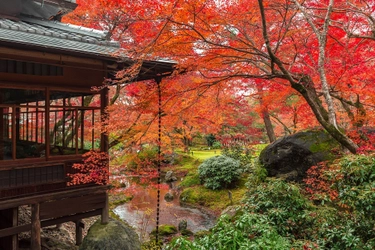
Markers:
point(140, 212)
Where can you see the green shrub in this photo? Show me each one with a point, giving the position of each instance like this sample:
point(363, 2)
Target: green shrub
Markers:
point(258, 173)
point(216, 145)
point(240, 153)
point(355, 183)
point(219, 172)
point(283, 204)
point(248, 231)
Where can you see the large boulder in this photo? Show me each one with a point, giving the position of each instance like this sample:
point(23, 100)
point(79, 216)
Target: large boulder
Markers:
point(110, 236)
point(289, 157)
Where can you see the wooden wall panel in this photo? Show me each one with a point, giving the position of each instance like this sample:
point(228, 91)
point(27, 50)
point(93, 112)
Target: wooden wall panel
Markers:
point(69, 206)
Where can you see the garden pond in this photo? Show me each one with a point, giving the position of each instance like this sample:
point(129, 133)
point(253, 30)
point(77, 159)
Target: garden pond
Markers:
point(140, 212)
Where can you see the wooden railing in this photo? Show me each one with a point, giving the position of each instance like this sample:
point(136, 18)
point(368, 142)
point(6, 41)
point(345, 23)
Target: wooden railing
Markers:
point(30, 179)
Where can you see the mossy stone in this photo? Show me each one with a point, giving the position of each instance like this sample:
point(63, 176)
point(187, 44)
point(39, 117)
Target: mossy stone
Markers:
point(186, 232)
point(289, 157)
point(113, 235)
point(165, 230)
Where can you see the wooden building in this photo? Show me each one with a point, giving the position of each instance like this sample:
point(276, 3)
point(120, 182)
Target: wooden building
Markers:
point(48, 113)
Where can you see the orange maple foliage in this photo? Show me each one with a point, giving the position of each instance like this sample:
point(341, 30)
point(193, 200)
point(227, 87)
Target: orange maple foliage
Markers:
point(312, 59)
point(94, 169)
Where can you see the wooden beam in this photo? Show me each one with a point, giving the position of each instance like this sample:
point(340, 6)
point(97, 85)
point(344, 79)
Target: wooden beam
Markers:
point(27, 227)
point(46, 223)
point(14, 230)
point(35, 227)
point(37, 162)
point(25, 85)
point(57, 59)
point(10, 203)
point(72, 205)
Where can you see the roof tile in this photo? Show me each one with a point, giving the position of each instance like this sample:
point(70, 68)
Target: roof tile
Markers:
point(56, 35)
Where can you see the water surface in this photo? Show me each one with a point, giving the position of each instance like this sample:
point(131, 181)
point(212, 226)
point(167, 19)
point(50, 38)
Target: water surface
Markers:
point(140, 212)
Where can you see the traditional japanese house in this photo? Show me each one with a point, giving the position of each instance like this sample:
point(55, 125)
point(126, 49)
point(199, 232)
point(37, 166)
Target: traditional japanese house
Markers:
point(48, 115)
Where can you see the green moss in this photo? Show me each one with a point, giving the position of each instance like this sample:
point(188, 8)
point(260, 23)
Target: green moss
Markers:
point(186, 164)
point(324, 143)
point(201, 234)
point(114, 216)
point(120, 201)
point(216, 200)
point(203, 155)
point(186, 232)
point(323, 146)
point(116, 199)
point(192, 179)
point(151, 245)
point(165, 230)
point(113, 235)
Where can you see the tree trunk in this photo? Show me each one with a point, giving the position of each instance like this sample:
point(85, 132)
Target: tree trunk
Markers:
point(266, 116)
point(268, 124)
point(305, 88)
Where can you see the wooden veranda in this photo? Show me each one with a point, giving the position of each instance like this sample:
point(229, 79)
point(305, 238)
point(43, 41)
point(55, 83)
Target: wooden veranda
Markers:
point(48, 115)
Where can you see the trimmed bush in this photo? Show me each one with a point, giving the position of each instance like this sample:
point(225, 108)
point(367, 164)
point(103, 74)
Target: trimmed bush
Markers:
point(219, 172)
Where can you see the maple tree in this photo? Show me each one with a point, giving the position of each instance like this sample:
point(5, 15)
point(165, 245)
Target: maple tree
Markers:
point(186, 114)
point(314, 54)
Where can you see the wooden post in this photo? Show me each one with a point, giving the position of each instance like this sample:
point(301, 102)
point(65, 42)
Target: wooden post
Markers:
point(15, 223)
point(46, 124)
point(14, 134)
point(1, 132)
point(35, 227)
point(105, 211)
point(104, 101)
point(79, 226)
point(76, 129)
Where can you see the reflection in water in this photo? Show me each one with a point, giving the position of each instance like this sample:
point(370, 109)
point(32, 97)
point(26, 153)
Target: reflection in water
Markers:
point(140, 212)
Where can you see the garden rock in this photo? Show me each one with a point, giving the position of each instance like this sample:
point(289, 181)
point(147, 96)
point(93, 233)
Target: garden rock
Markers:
point(231, 211)
point(110, 236)
point(182, 225)
point(290, 156)
point(170, 177)
point(168, 197)
point(186, 232)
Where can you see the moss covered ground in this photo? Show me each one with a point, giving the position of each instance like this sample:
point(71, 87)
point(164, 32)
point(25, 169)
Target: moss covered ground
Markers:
point(193, 193)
